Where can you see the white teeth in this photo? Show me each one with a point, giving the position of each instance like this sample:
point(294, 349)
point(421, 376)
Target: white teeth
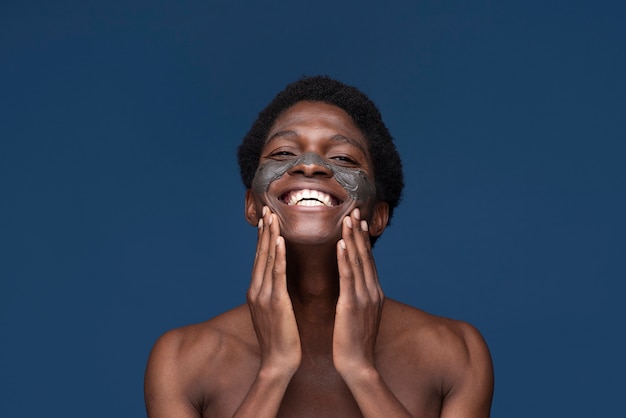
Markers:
point(308, 197)
point(309, 203)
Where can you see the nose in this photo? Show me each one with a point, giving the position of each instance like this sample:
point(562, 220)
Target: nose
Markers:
point(311, 165)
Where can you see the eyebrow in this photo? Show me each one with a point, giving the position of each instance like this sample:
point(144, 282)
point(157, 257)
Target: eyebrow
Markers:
point(281, 134)
point(337, 138)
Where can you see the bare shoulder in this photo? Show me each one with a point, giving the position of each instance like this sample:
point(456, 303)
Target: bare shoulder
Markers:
point(186, 363)
point(450, 338)
point(452, 353)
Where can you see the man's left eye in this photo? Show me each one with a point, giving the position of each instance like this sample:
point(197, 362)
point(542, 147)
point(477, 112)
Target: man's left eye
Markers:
point(343, 159)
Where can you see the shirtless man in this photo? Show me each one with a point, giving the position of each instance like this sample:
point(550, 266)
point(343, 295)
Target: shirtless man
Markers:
point(317, 337)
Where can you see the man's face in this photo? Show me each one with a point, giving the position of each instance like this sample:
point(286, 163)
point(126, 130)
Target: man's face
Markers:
point(314, 170)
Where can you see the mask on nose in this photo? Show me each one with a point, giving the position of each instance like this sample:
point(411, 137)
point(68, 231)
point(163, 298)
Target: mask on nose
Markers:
point(353, 180)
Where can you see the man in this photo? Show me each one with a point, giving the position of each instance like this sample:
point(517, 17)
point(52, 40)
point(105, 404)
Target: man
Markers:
point(317, 337)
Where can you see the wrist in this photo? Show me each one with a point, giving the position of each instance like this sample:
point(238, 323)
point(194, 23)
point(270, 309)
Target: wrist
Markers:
point(358, 373)
point(277, 372)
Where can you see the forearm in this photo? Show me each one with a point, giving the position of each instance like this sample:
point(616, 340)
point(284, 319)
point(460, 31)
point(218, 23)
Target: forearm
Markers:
point(373, 396)
point(274, 323)
point(265, 394)
point(357, 320)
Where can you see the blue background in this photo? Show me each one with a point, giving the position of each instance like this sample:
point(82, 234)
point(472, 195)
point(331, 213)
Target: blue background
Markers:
point(121, 209)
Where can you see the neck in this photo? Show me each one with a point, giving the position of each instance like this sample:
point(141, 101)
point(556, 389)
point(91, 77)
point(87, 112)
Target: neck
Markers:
point(313, 283)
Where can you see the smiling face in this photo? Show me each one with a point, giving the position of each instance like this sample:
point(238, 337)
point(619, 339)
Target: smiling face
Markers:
point(314, 170)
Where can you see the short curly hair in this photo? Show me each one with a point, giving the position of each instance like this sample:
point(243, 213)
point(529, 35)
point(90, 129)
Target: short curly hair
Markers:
point(385, 159)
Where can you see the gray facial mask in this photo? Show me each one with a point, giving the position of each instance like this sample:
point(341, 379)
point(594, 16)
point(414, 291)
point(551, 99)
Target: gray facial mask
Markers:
point(353, 180)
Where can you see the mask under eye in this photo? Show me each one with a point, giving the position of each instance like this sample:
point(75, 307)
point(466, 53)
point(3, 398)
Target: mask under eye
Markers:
point(355, 181)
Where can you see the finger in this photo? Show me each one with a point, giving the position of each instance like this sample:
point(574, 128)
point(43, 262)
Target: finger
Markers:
point(353, 265)
point(259, 231)
point(260, 257)
point(270, 258)
point(279, 273)
point(346, 277)
point(364, 250)
point(359, 258)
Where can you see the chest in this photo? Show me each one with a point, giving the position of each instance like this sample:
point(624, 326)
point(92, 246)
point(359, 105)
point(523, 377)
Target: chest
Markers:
point(317, 390)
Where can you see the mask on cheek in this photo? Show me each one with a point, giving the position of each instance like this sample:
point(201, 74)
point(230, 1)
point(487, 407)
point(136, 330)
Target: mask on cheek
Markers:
point(353, 180)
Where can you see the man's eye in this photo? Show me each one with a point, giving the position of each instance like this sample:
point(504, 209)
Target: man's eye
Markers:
point(282, 154)
point(344, 159)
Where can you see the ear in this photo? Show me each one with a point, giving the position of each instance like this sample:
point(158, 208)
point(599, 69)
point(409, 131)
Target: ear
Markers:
point(379, 220)
point(251, 213)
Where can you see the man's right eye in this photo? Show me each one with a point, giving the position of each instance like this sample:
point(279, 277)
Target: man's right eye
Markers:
point(282, 154)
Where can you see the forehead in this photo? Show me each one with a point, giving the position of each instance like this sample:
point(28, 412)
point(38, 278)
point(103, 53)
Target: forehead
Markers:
point(307, 117)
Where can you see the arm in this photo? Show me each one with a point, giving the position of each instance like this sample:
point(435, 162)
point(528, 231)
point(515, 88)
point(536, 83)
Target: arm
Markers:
point(356, 328)
point(274, 323)
point(472, 388)
point(357, 319)
point(165, 382)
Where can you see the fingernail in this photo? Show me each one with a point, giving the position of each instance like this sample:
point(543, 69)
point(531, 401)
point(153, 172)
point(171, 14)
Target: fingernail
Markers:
point(364, 225)
point(264, 210)
point(342, 244)
point(260, 224)
point(348, 222)
point(269, 222)
point(357, 213)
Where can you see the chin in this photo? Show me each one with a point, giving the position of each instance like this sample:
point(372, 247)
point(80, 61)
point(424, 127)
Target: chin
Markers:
point(314, 234)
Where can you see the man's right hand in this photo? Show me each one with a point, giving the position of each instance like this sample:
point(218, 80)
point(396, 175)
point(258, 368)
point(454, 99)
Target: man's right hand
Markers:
point(269, 302)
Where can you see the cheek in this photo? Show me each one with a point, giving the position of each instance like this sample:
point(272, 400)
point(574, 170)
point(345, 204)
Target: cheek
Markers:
point(357, 184)
point(366, 190)
point(267, 173)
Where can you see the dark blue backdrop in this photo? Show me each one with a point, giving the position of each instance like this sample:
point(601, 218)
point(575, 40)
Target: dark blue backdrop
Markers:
point(121, 207)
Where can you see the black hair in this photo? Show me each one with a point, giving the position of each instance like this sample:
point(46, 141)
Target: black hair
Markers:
point(385, 159)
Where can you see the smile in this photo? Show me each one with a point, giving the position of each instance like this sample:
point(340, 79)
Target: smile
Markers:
point(308, 197)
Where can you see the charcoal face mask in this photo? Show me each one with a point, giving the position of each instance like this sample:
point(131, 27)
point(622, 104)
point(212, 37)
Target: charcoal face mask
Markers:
point(353, 180)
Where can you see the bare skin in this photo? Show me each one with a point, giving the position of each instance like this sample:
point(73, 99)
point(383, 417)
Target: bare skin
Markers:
point(317, 337)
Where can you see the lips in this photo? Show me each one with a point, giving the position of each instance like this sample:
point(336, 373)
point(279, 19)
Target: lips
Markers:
point(309, 197)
